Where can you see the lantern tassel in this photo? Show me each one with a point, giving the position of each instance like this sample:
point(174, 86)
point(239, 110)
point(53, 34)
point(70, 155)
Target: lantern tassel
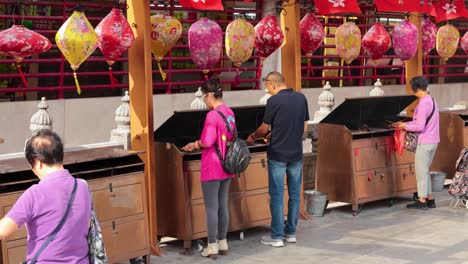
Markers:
point(259, 74)
point(113, 80)
point(236, 78)
point(163, 74)
point(402, 78)
point(25, 83)
point(375, 71)
point(349, 73)
point(78, 89)
point(426, 60)
point(311, 70)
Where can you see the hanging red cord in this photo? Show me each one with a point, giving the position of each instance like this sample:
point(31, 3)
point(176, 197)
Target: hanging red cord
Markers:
point(113, 80)
point(309, 65)
point(25, 83)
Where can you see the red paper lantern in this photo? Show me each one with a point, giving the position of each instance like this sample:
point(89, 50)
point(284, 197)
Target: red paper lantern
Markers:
point(376, 41)
point(268, 38)
point(19, 42)
point(312, 35)
point(115, 36)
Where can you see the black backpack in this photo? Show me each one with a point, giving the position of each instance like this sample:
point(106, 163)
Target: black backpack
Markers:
point(237, 157)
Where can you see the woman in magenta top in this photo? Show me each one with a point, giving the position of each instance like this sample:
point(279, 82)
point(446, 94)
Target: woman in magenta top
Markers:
point(215, 181)
point(426, 122)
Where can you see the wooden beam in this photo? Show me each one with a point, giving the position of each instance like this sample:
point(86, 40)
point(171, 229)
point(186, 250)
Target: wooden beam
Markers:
point(291, 50)
point(141, 104)
point(414, 66)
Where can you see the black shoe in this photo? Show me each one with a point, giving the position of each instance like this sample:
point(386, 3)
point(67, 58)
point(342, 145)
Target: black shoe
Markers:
point(431, 203)
point(417, 205)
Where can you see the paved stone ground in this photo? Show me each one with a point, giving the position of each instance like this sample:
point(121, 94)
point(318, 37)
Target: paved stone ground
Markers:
point(379, 234)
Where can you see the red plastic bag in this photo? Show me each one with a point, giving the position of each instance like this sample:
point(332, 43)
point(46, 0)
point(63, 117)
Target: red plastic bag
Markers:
point(399, 138)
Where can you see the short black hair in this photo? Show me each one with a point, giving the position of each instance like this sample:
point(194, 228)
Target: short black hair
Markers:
point(419, 83)
point(44, 146)
point(213, 86)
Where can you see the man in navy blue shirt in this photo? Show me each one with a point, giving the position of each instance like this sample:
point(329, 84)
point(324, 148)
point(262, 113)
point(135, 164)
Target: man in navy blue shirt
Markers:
point(286, 114)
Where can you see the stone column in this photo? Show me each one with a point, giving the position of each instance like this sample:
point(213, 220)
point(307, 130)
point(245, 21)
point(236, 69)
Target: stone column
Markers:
point(326, 101)
point(41, 119)
point(122, 118)
point(198, 103)
point(377, 91)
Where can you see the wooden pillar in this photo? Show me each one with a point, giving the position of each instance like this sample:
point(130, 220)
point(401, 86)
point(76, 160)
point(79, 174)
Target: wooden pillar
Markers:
point(291, 60)
point(414, 66)
point(141, 104)
point(291, 50)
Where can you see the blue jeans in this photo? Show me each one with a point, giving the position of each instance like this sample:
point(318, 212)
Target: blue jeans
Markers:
point(276, 172)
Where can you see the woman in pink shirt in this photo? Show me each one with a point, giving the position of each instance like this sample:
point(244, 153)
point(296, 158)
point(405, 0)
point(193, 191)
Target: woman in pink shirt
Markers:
point(426, 122)
point(215, 181)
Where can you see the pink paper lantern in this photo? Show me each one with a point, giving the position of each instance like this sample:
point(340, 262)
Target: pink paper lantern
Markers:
point(19, 42)
point(205, 39)
point(115, 36)
point(429, 32)
point(268, 36)
point(464, 42)
point(376, 41)
point(405, 40)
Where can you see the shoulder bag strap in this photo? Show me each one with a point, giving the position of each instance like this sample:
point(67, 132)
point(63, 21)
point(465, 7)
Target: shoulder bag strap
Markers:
point(432, 112)
point(59, 226)
point(234, 134)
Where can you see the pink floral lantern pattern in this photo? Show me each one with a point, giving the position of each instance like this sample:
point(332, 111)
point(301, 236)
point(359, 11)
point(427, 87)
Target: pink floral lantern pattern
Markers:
point(19, 42)
point(205, 39)
point(239, 41)
point(376, 43)
point(405, 42)
point(429, 32)
point(268, 38)
point(312, 36)
point(447, 41)
point(464, 42)
point(115, 36)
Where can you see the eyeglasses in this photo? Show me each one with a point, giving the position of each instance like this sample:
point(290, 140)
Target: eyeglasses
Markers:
point(205, 95)
point(266, 80)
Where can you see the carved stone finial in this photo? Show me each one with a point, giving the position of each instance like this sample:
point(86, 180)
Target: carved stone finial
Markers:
point(198, 103)
point(377, 91)
point(122, 118)
point(41, 119)
point(264, 98)
point(326, 101)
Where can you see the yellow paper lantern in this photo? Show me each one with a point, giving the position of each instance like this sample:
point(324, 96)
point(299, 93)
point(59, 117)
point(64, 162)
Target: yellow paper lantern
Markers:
point(447, 41)
point(165, 32)
point(77, 40)
point(348, 41)
point(240, 37)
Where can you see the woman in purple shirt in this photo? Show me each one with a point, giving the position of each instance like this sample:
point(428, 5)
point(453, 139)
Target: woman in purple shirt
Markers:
point(427, 141)
point(42, 206)
point(215, 181)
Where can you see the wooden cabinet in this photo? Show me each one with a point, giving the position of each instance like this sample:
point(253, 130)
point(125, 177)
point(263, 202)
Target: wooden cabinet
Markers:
point(453, 139)
point(116, 180)
point(180, 204)
point(356, 161)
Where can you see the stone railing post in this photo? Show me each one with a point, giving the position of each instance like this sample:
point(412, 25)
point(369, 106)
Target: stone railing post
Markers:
point(264, 98)
point(326, 101)
point(377, 91)
point(198, 103)
point(41, 119)
point(122, 118)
